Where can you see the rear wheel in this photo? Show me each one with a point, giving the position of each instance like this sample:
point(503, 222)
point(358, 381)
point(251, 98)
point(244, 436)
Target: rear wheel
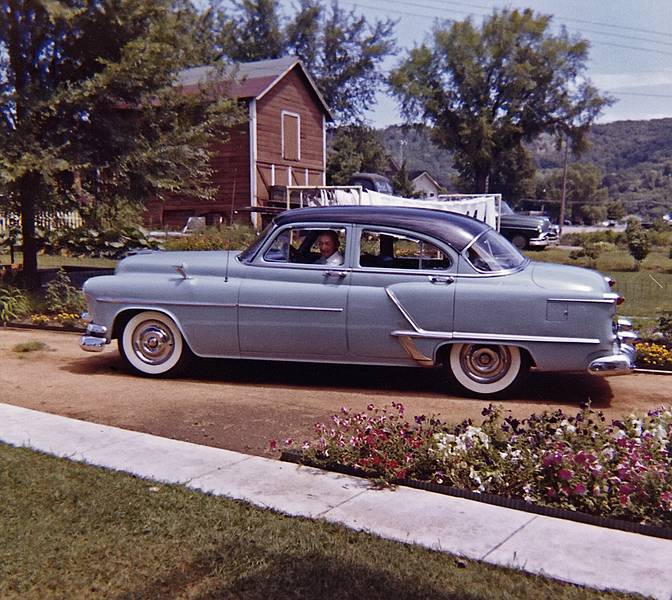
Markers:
point(151, 344)
point(487, 369)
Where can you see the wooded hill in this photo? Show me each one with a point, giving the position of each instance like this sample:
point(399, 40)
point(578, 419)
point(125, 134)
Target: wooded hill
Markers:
point(635, 158)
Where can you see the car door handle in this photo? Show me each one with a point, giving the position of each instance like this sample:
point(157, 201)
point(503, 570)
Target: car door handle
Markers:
point(446, 279)
point(339, 274)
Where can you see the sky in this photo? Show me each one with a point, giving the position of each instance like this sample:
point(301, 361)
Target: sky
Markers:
point(630, 54)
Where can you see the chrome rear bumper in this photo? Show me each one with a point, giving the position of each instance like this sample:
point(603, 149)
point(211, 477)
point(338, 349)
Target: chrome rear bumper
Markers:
point(616, 364)
point(622, 362)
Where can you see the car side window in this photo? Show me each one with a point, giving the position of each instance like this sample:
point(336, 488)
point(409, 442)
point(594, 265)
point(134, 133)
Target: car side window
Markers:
point(318, 246)
point(396, 251)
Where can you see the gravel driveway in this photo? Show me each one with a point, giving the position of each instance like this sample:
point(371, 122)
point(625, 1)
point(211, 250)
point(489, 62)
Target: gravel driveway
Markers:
point(242, 405)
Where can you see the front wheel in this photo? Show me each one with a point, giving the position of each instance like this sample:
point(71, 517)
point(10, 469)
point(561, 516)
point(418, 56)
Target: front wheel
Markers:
point(485, 369)
point(519, 241)
point(152, 345)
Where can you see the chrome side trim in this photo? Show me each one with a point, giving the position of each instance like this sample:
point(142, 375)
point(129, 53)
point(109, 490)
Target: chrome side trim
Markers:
point(504, 337)
point(287, 307)
point(391, 295)
point(149, 301)
point(423, 333)
point(494, 337)
point(589, 300)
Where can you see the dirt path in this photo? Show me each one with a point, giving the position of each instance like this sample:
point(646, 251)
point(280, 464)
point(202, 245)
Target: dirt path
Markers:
point(242, 405)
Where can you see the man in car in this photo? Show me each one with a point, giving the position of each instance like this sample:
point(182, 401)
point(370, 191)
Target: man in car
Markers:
point(327, 243)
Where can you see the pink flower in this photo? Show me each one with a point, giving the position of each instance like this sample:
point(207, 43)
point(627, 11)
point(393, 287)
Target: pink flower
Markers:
point(579, 489)
point(370, 406)
point(565, 474)
point(273, 445)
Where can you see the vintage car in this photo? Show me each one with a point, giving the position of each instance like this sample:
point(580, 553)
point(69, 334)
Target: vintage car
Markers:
point(414, 287)
point(527, 231)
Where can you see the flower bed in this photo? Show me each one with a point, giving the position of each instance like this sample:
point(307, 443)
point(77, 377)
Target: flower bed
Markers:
point(651, 355)
point(621, 469)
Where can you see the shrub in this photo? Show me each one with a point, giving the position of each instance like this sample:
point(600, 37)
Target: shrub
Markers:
point(14, 304)
point(63, 297)
point(107, 243)
point(235, 237)
point(665, 325)
point(590, 251)
point(622, 469)
point(31, 346)
point(638, 243)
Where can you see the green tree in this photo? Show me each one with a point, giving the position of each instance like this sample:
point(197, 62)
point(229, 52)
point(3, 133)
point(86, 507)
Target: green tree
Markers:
point(354, 148)
point(487, 90)
point(401, 182)
point(88, 108)
point(638, 242)
point(341, 50)
point(513, 176)
point(586, 196)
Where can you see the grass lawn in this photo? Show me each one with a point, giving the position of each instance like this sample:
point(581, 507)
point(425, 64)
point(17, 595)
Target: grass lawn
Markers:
point(69, 530)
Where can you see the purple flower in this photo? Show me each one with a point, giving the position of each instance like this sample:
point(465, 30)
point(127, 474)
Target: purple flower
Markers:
point(565, 474)
point(579, 489)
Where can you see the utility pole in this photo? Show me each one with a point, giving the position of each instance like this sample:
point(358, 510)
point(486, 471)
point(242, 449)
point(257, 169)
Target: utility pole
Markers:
point(563, 199)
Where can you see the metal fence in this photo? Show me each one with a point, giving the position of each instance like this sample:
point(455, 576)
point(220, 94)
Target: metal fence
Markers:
point(49, 221)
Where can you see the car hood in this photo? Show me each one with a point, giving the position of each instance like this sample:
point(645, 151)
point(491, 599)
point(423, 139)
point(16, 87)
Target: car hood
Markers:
point(526, 221)
point(212, 262)
point(563, 278)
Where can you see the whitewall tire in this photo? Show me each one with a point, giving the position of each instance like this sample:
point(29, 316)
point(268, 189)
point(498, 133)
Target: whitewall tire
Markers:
point(152, 345)
point(487, 369)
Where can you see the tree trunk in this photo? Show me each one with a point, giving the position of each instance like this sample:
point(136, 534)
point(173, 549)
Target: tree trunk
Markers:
point(28, 192)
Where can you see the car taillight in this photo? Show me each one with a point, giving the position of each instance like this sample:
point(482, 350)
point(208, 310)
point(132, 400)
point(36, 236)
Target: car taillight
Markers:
point(619, 300)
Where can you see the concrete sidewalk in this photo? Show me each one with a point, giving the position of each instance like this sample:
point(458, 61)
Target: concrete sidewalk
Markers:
point(573, 552)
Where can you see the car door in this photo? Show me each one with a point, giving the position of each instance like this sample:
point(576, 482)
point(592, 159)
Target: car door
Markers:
point(289, 305)
point(401, 282)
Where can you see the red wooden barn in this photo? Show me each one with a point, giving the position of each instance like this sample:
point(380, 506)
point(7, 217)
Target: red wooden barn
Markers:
point(283, 143)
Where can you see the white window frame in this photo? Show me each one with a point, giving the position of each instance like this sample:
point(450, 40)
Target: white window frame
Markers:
point(298, 133)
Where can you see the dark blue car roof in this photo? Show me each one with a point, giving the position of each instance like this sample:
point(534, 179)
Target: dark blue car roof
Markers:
point(454, 229)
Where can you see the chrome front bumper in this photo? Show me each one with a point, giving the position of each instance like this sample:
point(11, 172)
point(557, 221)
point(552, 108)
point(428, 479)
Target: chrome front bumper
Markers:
point(548, 238)
point(95, 338)
point(622, 362)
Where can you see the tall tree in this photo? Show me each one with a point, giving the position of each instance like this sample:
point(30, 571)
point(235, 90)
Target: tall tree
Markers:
point(341, 49)
point(487, 90)
point(351, 149)
point(88, 106)
point(586, 196)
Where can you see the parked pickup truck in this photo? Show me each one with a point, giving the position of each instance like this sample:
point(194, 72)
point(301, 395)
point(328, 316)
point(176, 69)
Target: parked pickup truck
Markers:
point(526, 231)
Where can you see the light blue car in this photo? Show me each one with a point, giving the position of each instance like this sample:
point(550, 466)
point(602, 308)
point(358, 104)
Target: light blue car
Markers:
point(408, 287)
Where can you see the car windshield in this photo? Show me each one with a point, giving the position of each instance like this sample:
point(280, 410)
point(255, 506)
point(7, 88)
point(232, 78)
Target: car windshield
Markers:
point(251, 250)
point(491, 253)
point(506, 209)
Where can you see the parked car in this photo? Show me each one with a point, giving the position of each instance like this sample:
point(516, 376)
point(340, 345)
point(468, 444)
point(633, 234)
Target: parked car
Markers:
point(372, 181)
point(416, 287)
point(527, 231)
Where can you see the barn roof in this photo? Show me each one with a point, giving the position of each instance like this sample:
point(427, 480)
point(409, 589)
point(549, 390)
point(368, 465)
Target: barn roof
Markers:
point(253, 79)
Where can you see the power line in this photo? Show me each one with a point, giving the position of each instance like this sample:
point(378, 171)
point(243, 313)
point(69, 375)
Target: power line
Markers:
point(639, 94)
point(598, 23)
point(435, 17)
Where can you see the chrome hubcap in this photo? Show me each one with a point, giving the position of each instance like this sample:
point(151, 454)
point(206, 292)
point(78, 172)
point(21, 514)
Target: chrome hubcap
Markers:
point(153, 342)
point(485, 364)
